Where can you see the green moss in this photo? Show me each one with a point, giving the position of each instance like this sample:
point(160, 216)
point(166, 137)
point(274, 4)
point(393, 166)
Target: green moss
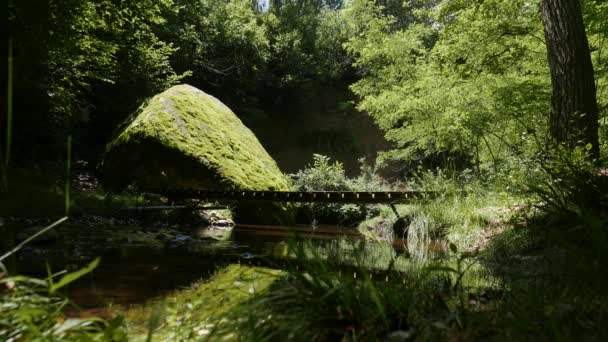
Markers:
point(184, 137)
point(193, 312)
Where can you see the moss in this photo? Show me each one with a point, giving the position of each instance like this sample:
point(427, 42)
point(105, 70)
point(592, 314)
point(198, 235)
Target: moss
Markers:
point(186, 138)
point(197, 129)
point(193, 312)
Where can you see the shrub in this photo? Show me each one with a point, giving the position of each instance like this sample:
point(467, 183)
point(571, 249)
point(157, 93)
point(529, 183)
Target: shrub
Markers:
point(461, 209)
point(323, 175)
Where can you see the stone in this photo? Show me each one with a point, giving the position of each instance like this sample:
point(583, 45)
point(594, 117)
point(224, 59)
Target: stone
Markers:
point(223, 223)
point(185, 138)
point(399, 336)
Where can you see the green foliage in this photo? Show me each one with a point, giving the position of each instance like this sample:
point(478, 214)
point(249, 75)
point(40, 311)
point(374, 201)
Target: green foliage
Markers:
point(223, 44)
point(106, 42)
point(552, 264)
point(594, 14)
point(73, 57)
point(306, 40)
point(31, 310)
point(569, 183)
point(319, 300)
point(71, 277)
point(323, 175)
point(463, 209)
point(467, 81)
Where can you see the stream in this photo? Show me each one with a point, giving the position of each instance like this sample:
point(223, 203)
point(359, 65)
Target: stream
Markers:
point(139, 263)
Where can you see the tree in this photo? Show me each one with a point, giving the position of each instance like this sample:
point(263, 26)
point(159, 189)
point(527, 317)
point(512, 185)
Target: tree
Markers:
point(222, 43)
point(77, 61)
point(463, 85)
point(574, 109)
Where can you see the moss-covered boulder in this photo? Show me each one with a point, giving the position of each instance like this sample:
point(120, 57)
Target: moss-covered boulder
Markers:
point(185, 138)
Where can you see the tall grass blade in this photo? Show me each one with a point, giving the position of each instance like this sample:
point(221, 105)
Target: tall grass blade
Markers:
point(26, 241)
point(155, 320)
point(9, 100)
point(67, 176)
point(376, 298)
point(70, 277)
point(9, 115)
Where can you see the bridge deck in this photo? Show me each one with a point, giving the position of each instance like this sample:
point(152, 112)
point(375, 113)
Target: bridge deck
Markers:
point(374, 197)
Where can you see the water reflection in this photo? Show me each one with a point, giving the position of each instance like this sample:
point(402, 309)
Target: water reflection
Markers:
point(138, 264)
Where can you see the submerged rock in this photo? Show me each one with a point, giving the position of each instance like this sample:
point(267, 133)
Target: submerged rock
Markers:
point(185, 138)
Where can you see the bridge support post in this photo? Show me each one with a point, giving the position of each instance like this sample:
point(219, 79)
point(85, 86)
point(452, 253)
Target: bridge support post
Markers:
point(395, 210)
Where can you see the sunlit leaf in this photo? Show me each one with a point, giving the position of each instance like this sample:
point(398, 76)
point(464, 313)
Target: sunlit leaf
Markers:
point(70, 277)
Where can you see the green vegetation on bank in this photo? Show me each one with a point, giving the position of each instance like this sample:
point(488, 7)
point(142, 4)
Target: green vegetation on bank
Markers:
point(33, 309)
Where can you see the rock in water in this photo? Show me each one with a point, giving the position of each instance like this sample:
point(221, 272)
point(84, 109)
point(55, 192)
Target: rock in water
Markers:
point(185, 138)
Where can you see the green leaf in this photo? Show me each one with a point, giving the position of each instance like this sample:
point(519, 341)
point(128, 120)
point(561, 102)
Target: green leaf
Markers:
point(70, 277)
point(72, 323)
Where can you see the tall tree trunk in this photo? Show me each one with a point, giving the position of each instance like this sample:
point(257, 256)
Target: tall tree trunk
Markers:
point(574, 111)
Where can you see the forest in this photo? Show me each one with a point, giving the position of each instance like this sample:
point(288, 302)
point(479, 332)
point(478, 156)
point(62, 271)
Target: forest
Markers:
point(450, 158)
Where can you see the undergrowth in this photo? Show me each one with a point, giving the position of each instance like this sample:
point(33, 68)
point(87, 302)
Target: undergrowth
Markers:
point(553, 262)
point(32, 309)
point(323, 175)
point(461, 209)
point(320, 300)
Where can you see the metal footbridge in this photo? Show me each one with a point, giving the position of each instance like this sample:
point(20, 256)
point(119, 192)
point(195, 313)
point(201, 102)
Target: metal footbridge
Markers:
point(354, 197)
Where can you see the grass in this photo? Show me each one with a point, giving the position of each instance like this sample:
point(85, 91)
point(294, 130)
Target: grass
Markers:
point(319, 300)
point(554, 282)
point(463, 218)
point(9, 116)
point(542, 276)
point(32, 309)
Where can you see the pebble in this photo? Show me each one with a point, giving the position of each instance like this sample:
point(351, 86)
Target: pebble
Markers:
point(399, 336)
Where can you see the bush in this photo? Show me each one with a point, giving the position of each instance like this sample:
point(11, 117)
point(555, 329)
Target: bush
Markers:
point(570, 183)
point(323, 175)
point(553, 263)
point(461, 209)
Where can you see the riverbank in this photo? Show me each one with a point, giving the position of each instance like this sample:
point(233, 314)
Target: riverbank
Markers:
point(474, 264)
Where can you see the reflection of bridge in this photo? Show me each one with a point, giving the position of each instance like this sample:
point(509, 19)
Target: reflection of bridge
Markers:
point(355, 197)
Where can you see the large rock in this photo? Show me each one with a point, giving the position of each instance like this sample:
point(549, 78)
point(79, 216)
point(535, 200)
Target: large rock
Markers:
point(185, 138)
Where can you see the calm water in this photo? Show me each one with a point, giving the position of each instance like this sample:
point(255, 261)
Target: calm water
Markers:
point(138, 264)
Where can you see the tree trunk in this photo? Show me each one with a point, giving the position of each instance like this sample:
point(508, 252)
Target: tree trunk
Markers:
point(574, 111)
